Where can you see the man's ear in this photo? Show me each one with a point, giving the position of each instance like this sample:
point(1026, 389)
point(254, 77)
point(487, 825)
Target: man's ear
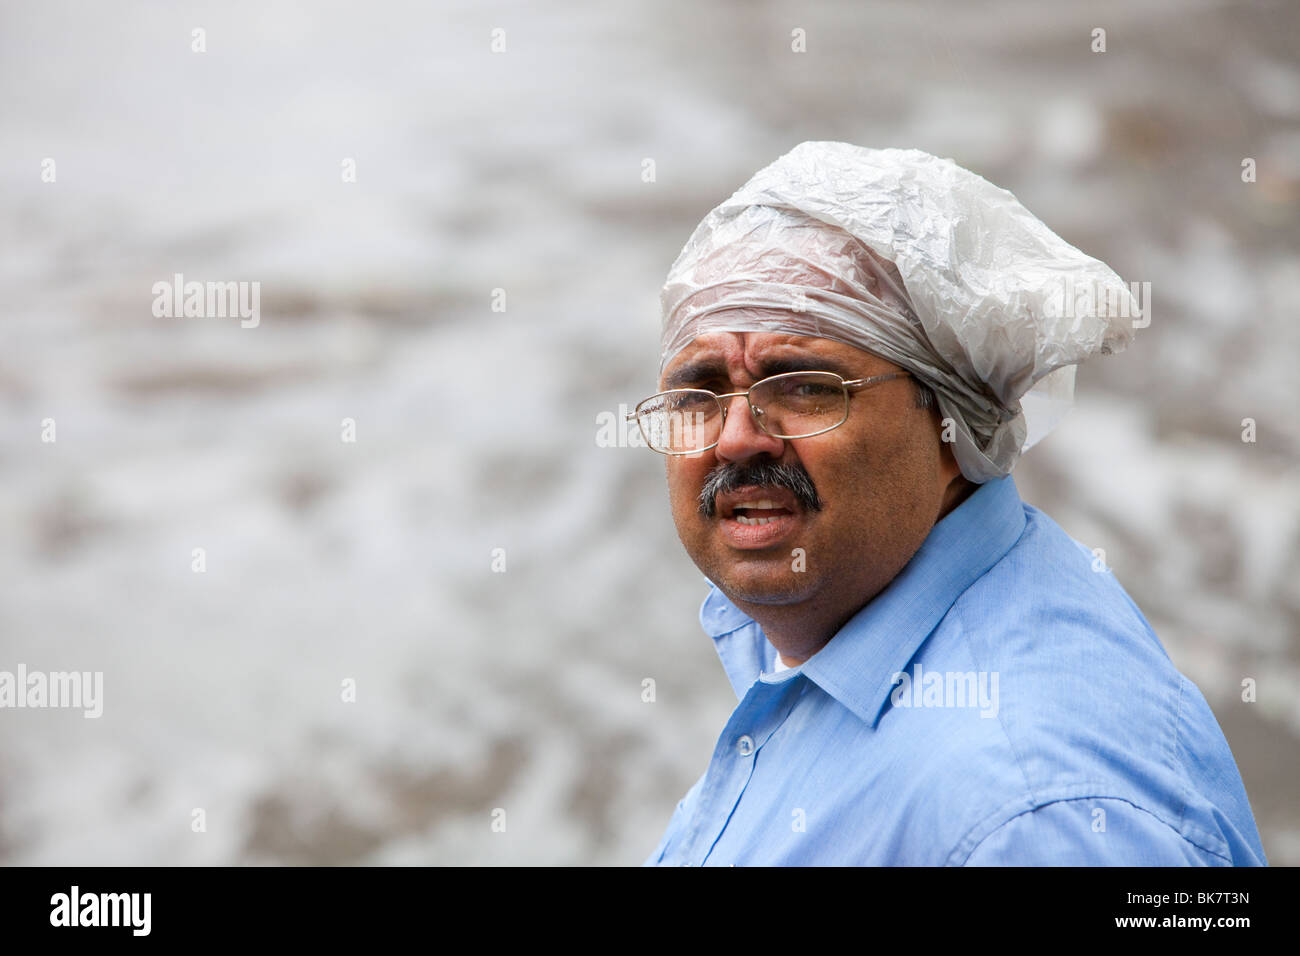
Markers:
point(948, 460)
point(956, 486)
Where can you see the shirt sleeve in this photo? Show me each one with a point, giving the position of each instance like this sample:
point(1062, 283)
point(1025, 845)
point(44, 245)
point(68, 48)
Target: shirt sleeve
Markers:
point(1090, 831)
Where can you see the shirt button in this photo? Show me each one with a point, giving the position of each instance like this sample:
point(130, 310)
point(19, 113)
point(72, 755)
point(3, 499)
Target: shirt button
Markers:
point(745, 745)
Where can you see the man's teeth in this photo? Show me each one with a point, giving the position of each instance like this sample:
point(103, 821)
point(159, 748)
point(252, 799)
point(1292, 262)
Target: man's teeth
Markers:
point(764, 504)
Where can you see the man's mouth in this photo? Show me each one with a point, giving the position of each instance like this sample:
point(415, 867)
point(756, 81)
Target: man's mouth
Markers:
point(758, 517)
point(762, 511)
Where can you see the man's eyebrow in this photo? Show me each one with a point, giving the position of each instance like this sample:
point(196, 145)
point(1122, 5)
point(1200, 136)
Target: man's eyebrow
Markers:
point(804, 363)
point(706, 370)
point(693, 373)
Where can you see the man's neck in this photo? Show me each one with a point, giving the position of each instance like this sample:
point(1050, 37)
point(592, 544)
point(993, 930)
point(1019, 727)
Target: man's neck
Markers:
point(798, 631)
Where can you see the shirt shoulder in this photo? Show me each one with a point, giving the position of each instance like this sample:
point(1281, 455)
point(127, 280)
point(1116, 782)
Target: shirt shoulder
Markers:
point(1091, 714)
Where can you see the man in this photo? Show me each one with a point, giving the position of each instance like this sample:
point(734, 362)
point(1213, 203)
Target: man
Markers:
point(857, 347)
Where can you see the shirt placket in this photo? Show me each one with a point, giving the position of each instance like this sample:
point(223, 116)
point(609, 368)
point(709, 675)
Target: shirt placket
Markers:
point(731, 769)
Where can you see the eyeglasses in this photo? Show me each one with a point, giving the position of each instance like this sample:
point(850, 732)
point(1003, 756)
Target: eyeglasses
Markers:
point(687, 421)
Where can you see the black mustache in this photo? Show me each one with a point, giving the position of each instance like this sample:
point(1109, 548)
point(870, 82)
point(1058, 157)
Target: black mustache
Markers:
point(733, 475)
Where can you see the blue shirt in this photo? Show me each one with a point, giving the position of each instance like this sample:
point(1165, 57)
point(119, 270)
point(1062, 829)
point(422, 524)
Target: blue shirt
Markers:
point(1001, 701)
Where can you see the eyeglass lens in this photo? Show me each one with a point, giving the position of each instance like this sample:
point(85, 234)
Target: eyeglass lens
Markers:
point(787, 406)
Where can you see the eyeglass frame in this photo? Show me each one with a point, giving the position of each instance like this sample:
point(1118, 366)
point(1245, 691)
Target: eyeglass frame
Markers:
point(850, 386)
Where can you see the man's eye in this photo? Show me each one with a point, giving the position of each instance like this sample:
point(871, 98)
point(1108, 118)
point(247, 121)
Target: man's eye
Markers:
point(814, 390)
point(683, 402)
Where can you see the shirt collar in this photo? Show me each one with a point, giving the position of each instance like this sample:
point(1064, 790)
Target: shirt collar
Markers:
point(858, 665)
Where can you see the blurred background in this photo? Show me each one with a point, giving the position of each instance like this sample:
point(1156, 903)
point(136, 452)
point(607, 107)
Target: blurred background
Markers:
point(520, 688)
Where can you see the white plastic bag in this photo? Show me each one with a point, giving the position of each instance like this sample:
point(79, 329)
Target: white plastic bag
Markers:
point(916, 260)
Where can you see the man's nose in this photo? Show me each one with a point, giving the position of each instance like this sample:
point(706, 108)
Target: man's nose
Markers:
point(741, 437)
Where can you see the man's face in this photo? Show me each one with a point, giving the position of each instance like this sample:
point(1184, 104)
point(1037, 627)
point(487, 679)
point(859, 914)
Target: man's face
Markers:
point(882, 479)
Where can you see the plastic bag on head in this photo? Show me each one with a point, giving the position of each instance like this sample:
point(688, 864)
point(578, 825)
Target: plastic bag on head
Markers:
point(919, 261)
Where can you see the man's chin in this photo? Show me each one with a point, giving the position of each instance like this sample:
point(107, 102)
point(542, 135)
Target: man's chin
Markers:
point(765, 588)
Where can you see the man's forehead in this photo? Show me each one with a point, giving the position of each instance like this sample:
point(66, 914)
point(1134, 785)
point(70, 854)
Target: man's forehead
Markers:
point(768, 353)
